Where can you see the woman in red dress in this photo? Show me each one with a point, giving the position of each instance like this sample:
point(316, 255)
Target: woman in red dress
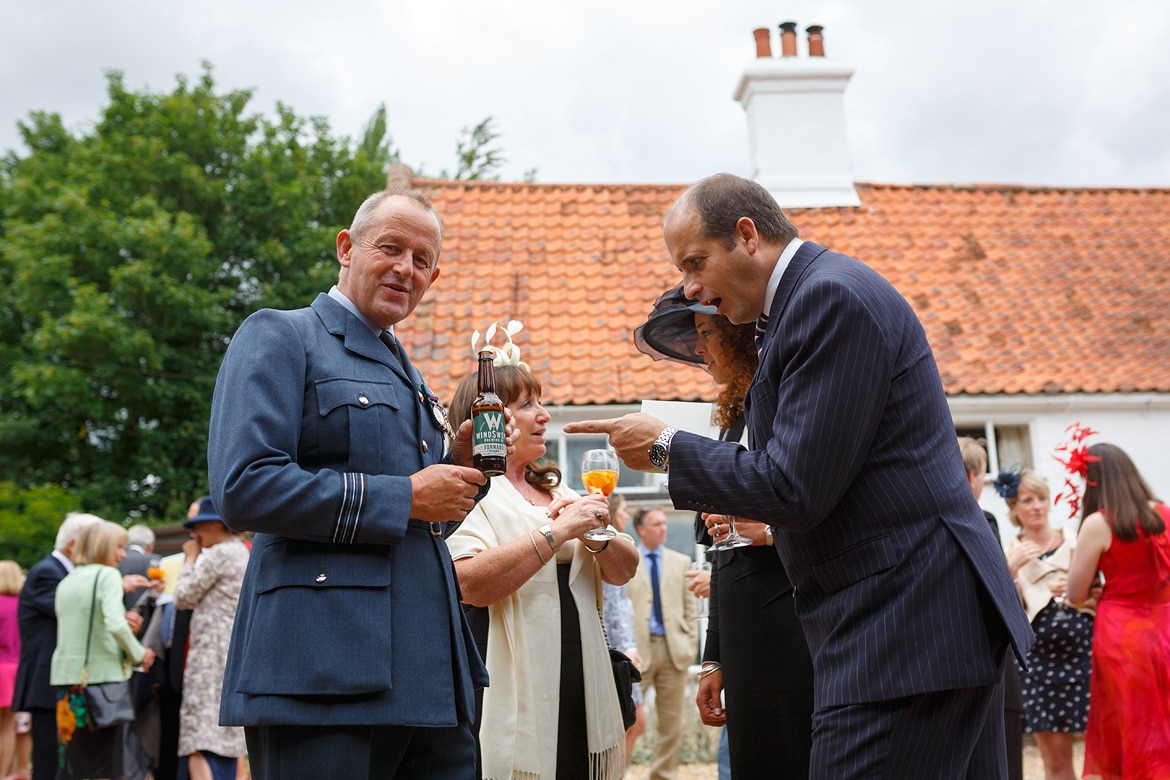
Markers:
point(1124, 536)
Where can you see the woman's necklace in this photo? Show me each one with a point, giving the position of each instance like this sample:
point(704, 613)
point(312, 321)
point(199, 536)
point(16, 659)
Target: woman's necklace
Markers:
point(529, 493)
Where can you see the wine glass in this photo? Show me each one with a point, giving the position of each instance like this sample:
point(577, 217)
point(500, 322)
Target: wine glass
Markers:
point(599, 474)
point(701, 601)
point(733, 538)
point(1054, 585)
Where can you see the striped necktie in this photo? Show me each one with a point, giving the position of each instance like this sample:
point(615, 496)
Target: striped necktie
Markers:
point(761, 329)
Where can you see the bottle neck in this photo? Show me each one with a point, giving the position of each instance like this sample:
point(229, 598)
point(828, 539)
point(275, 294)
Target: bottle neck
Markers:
point(487, 374)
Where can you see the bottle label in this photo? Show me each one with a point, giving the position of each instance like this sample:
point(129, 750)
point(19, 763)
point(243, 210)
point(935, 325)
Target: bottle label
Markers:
point(487, 435)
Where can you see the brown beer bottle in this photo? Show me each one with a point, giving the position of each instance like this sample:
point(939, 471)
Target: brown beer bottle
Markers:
point(489, 444)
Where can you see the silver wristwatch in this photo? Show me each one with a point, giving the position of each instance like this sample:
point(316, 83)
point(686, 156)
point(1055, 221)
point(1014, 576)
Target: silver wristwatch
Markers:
point(660, 449)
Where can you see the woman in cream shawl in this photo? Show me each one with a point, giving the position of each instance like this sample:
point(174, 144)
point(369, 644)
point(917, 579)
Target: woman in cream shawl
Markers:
point(551, 709)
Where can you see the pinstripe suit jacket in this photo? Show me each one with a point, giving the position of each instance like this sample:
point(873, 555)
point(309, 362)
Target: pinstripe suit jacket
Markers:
point(900, 586)
point(349, 611)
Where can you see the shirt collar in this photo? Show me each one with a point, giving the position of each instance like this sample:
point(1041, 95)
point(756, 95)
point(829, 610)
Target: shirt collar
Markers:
point(64, 559)
point(352, 308)
point(777, 272)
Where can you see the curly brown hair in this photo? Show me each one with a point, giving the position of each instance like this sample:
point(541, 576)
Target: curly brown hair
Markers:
point(740, 357)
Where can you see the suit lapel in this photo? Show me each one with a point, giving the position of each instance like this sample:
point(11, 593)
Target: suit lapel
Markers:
point(789, 280)
point(355, 335)
point(792, 274)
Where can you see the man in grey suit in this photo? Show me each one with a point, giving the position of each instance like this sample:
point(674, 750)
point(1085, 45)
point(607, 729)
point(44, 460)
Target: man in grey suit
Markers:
point(667, 632)
point(350, 656)
point(903, 592)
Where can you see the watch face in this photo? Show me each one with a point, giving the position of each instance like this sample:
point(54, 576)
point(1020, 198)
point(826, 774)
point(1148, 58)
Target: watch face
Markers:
point(657, 454)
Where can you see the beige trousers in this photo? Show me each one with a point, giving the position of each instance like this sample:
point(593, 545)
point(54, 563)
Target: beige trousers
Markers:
point(670, 687)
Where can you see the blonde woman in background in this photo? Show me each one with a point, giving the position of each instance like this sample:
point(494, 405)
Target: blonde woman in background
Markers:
point(11, 581)
point(1056, 682)
point(92, 633)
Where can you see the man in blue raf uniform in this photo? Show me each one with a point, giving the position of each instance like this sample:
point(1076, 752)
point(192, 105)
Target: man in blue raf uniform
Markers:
point(350, 656)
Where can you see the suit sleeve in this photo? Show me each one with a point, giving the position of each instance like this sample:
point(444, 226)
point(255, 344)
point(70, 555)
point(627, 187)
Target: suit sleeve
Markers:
point(40, 592)
point(254, 440)
point(828, 374)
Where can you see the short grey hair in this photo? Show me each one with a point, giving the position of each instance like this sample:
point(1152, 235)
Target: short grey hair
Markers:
point(140, 535)
point(364, 218)
point(71, 527)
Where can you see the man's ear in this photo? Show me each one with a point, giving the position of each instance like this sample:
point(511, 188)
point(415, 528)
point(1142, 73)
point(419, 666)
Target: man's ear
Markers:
point(745, 231)
point(344, 246)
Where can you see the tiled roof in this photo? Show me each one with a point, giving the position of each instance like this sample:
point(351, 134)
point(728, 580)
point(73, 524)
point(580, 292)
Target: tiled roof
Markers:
point(1021, 290)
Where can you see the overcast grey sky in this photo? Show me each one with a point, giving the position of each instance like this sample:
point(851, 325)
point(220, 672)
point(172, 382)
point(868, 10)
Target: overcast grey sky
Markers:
point(1058, 92)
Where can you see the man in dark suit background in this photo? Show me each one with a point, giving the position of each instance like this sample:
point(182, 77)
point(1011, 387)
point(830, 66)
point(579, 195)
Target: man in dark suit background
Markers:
point(139, 558)
point(904, 596)
point(350, 656)
point(38, 639)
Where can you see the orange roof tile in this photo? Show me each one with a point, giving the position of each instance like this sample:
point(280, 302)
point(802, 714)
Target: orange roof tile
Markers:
point(1021, 290)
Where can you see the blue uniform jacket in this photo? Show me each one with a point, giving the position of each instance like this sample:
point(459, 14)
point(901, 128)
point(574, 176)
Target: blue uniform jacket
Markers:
point(349, 611)
point(900, 586)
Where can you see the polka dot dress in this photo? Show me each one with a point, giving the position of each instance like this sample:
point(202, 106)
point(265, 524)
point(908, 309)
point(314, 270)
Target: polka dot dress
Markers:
point(1056, 684)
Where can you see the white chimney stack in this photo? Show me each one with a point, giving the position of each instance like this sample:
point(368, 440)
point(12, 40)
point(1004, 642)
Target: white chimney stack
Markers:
point(796, 121)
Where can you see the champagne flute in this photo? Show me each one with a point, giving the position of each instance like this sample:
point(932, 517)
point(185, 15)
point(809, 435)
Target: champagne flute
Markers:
point(599, 474)
point(733, 539)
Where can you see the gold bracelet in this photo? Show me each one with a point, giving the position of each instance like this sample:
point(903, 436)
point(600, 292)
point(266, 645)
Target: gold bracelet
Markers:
point(532, 539)
point(548, 537)
point(599, 550)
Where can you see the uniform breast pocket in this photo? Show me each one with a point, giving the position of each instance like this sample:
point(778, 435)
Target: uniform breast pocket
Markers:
point(353, 418)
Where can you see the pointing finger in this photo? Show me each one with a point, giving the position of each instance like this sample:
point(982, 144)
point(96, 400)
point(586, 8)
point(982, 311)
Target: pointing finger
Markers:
point(590, 426)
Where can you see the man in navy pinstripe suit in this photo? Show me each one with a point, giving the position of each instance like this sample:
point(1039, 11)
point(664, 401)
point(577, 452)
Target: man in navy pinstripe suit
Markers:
point(905, 599)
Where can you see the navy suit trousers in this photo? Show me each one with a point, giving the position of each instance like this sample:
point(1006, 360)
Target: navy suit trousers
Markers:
point(361, 752)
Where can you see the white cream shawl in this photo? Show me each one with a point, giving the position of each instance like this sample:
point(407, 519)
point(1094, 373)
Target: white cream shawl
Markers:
point(518, 735)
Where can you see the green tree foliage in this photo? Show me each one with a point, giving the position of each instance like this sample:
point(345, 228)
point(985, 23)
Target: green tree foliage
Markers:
point(29, 519)
point(473, 159)
point(129, 253)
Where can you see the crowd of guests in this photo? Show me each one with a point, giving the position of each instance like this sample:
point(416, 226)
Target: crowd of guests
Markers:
point(865, 625)
point(102, 612)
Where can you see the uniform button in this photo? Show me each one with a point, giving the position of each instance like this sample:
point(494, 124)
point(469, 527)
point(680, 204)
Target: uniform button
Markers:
point(321, 577)
point(425, 447)
point(363, 400)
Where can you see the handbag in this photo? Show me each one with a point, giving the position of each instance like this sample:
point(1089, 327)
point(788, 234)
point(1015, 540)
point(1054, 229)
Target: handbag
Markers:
point(625, 674)
point(107, 704)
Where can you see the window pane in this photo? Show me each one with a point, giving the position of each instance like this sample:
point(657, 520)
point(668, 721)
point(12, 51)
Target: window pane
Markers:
point(1012, 443)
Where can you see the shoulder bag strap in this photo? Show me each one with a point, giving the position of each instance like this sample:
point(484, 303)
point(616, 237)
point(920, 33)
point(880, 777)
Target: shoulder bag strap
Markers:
point(89, 635)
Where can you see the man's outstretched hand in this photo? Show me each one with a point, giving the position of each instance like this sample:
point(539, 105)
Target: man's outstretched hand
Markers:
point(631, 436)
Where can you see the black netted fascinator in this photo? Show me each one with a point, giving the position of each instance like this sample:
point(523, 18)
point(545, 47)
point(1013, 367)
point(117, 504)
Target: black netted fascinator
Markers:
point(1007, 484)
point(669, 331)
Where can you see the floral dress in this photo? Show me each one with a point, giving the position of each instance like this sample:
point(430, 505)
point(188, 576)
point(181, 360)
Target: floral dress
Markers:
point(211, 587)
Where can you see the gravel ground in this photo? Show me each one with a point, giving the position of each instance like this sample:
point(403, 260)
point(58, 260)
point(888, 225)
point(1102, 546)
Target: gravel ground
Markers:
point(1033, 766)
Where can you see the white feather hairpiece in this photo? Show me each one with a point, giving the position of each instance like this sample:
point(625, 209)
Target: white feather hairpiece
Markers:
point(507, 355)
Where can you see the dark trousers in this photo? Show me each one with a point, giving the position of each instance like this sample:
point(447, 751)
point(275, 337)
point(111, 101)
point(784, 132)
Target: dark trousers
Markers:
point(952, 734)
point(357, 752)
point(44, 744)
